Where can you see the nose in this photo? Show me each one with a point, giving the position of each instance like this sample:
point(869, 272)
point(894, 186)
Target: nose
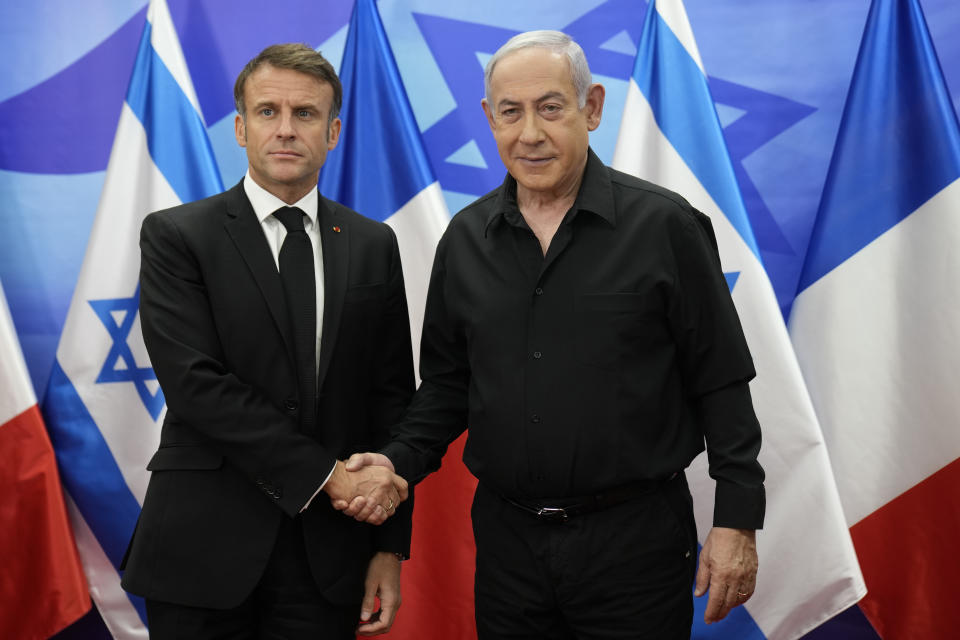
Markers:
point(285, 127)
point(532, 132)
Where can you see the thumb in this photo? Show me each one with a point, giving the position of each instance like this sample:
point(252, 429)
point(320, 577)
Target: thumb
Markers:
point(703, 576)
point(358, 461)
point(369, 601)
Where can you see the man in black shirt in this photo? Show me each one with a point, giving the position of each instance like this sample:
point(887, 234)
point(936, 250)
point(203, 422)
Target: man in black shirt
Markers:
point(579, 322)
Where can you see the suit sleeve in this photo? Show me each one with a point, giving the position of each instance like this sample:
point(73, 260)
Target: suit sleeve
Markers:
point(391, 391)
point(230, 416)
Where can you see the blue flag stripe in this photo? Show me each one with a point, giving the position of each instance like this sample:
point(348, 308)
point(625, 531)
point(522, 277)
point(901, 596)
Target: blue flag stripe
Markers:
point(680, 98)
point(89, 471)
point(899, 140)
point(176, 135)
point(369, 171)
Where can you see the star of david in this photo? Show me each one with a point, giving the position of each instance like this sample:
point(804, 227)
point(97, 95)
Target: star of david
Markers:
point(118, 316)
point(457, 44)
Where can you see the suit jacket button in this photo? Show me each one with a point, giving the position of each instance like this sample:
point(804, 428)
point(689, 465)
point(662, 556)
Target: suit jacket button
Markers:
point(277, 493)
point(290, 405)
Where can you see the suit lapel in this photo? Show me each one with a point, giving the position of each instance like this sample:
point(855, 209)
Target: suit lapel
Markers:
point(335, 239)
point(244, 228)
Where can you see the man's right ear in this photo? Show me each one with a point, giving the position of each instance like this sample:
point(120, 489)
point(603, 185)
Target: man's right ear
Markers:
point(487, 111)
point(240, 130)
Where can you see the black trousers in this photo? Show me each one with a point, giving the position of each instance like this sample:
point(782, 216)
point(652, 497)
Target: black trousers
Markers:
point(623, 572)
point(285, 605)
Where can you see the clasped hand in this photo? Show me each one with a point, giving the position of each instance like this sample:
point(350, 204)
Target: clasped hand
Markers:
point(366, 488)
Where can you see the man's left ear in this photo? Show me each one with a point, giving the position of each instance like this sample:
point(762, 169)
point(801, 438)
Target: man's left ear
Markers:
point(593, 109)
point(333, 134)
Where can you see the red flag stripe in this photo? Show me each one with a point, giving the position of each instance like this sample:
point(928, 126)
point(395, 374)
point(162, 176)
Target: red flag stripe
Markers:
point(42, 586)
point(907, 552)
point(437, 582)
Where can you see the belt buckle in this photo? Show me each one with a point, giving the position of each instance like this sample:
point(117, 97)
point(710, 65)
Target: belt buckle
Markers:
point(553, 514)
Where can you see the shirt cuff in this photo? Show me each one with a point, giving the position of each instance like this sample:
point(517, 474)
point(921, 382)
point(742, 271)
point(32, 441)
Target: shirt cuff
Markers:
point(320, 488)
point(739, 507)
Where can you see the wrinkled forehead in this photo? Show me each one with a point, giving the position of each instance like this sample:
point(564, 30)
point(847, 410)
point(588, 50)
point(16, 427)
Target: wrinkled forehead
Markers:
point(535, 69)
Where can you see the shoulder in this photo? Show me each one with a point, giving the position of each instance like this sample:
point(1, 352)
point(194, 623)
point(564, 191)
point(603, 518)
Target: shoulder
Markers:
point(639, 200)
point(473, 218)
point(189, 217)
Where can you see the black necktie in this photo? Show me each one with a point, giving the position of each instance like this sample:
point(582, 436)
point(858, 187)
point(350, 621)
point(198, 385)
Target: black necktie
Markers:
point(299, 288)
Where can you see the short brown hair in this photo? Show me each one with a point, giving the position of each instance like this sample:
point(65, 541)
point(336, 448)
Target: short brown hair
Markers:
point(295, 56)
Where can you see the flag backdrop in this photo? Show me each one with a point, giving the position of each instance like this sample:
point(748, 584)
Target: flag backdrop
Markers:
point(42, 587)
point(670, 135)
point(103, 405)
point(381, 169)
point(779, 73)
point(876, 324)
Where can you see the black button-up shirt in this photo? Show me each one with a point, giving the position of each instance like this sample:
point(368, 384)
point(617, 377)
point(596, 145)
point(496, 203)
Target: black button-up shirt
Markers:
point(609, 360)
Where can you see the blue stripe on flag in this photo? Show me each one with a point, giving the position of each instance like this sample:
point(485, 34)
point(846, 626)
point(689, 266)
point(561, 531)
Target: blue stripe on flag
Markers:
point(680, 98)
point(176, 135)
point(380, 162)
point(899, 140)
point(89, 471)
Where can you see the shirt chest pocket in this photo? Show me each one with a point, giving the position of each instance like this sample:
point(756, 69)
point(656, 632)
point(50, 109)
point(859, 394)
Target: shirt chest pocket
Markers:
point(615, 328)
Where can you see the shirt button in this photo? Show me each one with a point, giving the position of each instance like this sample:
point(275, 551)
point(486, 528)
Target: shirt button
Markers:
point(535, 418)
point(537, 355)
point(538, 291)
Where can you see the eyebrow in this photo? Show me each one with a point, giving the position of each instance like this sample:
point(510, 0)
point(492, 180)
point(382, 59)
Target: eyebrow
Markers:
point(550, 95)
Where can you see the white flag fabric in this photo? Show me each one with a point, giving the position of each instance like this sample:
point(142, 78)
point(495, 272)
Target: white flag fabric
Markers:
point(103, 404)
point(876, 324)
point(670, 135)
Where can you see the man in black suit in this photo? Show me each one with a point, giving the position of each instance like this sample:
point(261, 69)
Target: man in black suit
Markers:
point(277, 324)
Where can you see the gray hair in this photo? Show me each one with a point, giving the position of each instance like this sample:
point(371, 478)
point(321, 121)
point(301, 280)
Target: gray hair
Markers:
point(554, 41)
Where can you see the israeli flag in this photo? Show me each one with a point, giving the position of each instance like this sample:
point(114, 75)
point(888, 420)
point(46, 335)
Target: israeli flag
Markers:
point(670, 135)
point(103, 404)
point(380, 167)
point(876, 325)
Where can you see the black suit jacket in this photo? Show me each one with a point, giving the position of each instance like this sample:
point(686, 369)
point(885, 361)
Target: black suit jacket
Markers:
point(232, 460)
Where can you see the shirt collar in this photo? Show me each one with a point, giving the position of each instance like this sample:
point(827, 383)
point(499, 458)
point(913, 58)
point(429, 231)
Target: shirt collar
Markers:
point(595, 195)
point(265, 203)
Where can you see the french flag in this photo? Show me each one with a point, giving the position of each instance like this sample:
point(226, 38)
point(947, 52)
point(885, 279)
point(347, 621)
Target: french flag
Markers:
point(380, 168)
point(671, 135)
point(103, 404)
point(876, 324)
point(42, 586)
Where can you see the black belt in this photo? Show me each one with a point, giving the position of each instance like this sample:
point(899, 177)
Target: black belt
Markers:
point(563, 510)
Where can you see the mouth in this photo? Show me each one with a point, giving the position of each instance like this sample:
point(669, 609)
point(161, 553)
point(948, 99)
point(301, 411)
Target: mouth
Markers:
point(534, 161)
point(284, 154)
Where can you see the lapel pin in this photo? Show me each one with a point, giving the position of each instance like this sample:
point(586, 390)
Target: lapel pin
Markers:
point(336, 229)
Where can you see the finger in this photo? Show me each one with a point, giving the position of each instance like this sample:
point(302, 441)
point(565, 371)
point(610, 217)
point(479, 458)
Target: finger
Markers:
point(703, 576)
point(339, 505)
point(356, 506)
point(369, 508)
point(400, 485)
point(374, 628)
point(732, 598)
point(715, 600)
point(376, 515)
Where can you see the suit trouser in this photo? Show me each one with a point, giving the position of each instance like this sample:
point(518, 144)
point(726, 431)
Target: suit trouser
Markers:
point(285, 605)
point(623, 572)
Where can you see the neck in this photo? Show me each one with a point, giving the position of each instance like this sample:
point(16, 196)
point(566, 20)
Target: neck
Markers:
point(289, 193)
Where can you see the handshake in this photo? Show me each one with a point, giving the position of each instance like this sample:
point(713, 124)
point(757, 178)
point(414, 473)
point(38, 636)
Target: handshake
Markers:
point(366, 488)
